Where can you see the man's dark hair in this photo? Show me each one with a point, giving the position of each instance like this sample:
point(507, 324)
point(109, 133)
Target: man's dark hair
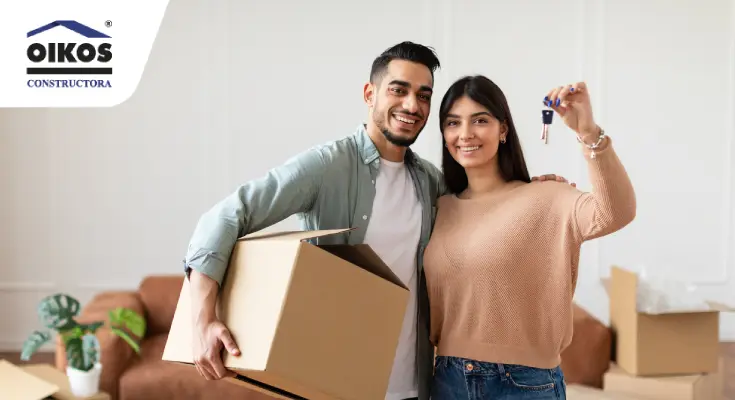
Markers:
point(407, 51)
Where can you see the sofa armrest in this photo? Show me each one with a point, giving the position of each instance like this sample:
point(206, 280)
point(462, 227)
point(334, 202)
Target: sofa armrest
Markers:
point(588, 356)
point(115, 353)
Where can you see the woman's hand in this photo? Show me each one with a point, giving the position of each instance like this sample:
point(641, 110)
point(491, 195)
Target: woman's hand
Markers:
point(572, 103)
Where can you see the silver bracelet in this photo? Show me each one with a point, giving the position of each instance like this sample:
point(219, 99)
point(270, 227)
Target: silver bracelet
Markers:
point(595, 145)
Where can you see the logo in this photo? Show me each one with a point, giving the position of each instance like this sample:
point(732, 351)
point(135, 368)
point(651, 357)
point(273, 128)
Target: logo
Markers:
point(80, 63)
point(79, 54)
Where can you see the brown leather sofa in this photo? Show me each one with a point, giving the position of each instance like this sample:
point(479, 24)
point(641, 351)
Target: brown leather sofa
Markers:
point(129, 376)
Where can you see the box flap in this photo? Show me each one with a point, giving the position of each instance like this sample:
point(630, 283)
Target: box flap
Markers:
point(624, 286)
point(716, 306)
point(17, 384)
point(293, 235)
point(333, 308)
point(53, 375)
point(364, 257)
point(605, 282)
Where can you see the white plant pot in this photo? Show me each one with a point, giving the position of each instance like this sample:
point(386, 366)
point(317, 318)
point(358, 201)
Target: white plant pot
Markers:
point(84, 383)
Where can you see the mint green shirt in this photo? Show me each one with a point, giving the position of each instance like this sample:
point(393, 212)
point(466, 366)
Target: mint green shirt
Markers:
point(330, 186)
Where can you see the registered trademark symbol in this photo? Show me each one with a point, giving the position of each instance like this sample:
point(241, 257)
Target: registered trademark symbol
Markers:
point(108, 23)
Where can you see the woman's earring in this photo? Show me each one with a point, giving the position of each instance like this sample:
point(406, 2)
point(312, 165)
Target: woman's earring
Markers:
point(502, 140)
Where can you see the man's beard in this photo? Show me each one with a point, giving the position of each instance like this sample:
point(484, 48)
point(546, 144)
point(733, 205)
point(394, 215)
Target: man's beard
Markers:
point(397, 140)
point(392, 137)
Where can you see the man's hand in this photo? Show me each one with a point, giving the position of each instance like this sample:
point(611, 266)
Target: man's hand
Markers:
point(552, 177)
point(210, 339)
point(210, 336)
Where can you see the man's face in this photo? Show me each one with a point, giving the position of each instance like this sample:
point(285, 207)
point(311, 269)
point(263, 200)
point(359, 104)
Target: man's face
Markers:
point(401, 101)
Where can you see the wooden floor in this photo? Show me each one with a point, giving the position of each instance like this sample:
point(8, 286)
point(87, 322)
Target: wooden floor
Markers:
point(728, 352)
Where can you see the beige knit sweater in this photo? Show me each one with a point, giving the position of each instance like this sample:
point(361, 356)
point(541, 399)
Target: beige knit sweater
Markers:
point(502, 270)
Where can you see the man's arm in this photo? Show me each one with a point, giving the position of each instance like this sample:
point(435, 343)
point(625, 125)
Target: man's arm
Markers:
point(255, 205)
point(285, 190)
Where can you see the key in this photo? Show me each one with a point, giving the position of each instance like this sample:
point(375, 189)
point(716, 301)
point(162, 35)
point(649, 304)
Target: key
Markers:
point(546, 117)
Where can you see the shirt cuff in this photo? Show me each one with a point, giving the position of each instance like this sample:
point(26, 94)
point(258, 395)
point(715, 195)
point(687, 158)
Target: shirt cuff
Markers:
point(208, 263)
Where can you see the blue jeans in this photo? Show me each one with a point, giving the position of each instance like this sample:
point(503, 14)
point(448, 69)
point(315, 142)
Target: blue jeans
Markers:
point(463, 379)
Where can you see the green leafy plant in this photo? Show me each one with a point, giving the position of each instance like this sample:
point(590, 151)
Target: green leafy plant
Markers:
point(57, 313)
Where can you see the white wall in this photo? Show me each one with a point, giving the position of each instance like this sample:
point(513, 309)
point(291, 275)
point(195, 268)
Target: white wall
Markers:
point(96, 199)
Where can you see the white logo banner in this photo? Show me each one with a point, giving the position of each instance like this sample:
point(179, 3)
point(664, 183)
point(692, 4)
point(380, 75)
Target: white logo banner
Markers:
point(75, 53)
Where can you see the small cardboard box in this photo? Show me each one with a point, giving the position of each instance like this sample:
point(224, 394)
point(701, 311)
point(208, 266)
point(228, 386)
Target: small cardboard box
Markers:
point(37, 382)
point(681, 387)
point(311, 321)
point(661, 344)
point(580, 392)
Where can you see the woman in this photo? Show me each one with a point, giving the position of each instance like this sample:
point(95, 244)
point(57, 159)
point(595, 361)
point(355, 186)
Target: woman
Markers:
point(501, 266)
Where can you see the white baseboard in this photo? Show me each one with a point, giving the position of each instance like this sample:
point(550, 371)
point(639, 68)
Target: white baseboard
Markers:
point(27, 287)
point(727, 327)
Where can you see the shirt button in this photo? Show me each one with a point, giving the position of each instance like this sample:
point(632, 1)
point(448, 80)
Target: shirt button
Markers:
point(373, 181)
point(364, 217)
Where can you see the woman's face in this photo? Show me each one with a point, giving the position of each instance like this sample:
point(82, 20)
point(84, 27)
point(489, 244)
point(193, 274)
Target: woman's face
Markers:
point(472, 133)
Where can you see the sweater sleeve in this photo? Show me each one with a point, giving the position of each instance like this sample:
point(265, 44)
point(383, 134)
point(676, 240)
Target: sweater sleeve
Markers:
point(611, 205)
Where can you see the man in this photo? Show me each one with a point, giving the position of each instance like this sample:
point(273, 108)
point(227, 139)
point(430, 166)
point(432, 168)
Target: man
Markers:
point(369, 180)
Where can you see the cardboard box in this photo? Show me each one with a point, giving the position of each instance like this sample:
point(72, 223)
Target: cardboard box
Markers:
point(37, 382)
point(580, 392)
point(661, 344)
point(311, 321)
point(682, 387)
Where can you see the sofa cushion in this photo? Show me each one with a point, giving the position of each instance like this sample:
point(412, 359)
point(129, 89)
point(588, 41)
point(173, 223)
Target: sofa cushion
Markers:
point(160, 294)
point(150, 378)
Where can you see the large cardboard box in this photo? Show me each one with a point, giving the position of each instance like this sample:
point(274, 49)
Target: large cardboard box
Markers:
point(680, 387)
point(311, 321)
point(671, 343)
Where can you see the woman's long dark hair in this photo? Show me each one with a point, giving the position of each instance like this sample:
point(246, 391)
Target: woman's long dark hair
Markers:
point(510, 155)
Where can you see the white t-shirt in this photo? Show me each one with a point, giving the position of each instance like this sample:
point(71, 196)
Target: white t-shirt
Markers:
point(393, 233)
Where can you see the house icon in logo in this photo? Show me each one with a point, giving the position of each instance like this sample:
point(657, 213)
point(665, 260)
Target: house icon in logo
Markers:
point(71, 25)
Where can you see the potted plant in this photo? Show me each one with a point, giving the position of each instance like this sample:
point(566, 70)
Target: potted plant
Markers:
point(57, 313)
